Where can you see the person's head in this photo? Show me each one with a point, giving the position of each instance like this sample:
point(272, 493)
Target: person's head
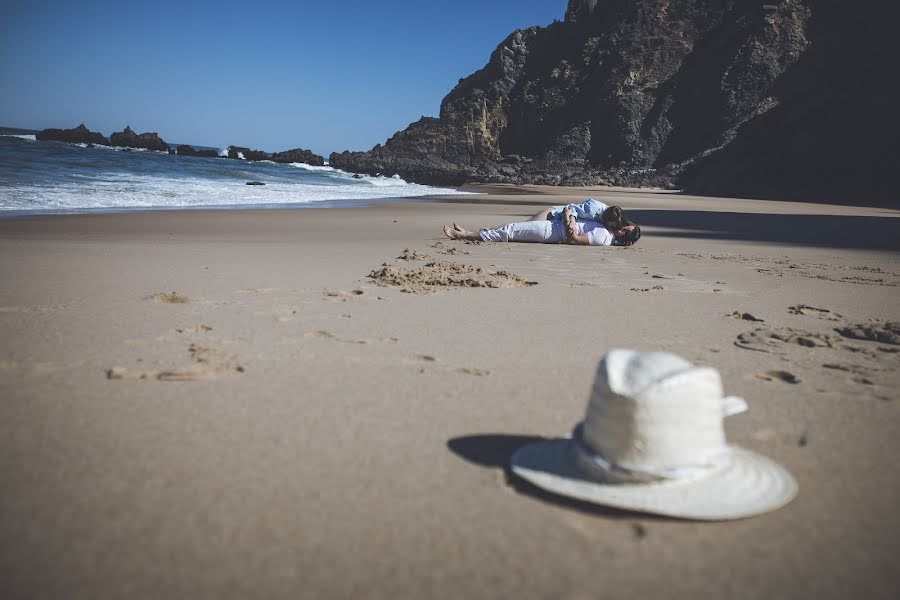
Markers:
point(613, 218)
point(626, 235)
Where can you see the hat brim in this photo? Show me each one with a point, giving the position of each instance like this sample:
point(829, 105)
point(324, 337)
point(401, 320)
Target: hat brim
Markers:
point(743, 485)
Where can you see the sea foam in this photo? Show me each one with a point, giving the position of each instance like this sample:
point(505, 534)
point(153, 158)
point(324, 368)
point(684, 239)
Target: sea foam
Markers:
point(65, 178)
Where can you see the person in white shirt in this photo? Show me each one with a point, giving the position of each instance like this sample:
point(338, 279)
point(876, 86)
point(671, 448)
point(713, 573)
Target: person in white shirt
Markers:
point(569, 230)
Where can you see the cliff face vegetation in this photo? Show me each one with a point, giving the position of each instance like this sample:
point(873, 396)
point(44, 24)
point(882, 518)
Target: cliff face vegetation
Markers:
point(774, 98)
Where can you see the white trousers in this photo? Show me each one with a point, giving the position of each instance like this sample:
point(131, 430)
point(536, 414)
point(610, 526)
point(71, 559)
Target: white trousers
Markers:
point(542, 232)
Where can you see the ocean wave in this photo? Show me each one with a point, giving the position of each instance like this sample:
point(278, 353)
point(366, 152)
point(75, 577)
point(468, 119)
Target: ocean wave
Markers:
point(128, 190)
point(376, 180)
point(119, 148)
point(30, 138)
point(307, 167)
point(65, 178)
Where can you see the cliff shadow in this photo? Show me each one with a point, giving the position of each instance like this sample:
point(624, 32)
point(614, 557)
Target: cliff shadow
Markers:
point(826, 231)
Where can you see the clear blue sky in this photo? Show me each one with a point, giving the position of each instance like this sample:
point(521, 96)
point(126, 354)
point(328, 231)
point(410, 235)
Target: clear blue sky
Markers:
point(325, 75)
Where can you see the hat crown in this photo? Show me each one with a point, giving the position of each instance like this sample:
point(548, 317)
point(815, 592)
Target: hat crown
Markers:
point(654, 413)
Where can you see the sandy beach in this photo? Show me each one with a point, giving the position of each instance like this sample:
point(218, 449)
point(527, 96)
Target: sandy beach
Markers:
point(225, 404)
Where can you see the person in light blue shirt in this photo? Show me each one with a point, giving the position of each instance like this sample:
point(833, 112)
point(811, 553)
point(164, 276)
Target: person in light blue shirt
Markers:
point(589, 210)
point(612, 217)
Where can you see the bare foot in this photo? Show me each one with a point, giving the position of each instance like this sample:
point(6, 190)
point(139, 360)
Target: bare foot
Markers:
point(460, 234)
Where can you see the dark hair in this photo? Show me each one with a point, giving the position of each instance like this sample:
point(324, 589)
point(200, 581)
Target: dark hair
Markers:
point(631, 236)
point(614, 218)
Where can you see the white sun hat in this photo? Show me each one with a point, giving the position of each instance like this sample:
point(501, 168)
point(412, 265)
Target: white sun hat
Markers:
point(652, 441)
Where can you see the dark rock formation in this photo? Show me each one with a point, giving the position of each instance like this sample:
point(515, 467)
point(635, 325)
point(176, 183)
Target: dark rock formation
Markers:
point(247, 153)
point(255, 183)
point(130, 139)
point(785, 98)
point(78, 135)
point(832, 129)
point(298, 155)
point(185, 150)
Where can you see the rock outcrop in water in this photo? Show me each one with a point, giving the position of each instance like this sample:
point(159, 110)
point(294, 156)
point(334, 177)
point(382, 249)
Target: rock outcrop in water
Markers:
point(78, 135)
point(772, 98)
point(185, 150)
point(298, 155)
point(129, 139)
point(238, 152)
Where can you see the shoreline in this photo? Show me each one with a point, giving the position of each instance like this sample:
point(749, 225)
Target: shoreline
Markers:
point(509, 194)
point(223, 403)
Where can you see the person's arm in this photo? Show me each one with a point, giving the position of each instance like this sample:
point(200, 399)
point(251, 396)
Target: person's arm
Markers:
point(589, 210)
point(572, 235)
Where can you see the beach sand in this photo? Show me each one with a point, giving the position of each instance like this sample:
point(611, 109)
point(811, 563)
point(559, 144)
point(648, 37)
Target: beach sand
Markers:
point(223, 404)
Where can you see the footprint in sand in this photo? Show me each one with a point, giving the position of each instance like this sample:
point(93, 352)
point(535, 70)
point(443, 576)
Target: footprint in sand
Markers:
point(822, 313)
point(194, 329)
point(327, 335)
point(745, 317)
point(321, 334)
point(875, 331)
point(342, 295)
point(860, 374)
point(774, 340)
point(785, 376)
point(473, 371)
point(419, 359)
point(169, 298)
point(206, 362)
point(196, 372)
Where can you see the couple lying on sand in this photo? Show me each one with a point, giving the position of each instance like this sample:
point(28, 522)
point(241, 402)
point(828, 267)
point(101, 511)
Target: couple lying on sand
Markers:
point(591, 223)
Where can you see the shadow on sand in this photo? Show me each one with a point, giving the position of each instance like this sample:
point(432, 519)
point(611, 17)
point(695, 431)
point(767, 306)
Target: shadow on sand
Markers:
point(495, 450)
point(823, 231)
point(826, 231)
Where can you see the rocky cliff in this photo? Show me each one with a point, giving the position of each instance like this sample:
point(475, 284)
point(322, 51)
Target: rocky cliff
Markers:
point(782, 98)
point(298, 155)
point(186, 150)
point(76, 135)
point(239, 152)
point(129, 139)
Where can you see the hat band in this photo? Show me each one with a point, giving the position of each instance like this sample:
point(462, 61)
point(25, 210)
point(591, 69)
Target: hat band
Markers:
point(595, 466)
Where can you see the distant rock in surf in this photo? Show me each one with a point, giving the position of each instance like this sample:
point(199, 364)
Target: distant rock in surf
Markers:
point(129, 139)
point(298, 155)
point(78, 135)
point(185, 150)
point(239, 152)
point(255, 183)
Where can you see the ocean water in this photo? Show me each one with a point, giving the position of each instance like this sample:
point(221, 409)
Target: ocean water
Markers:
point(56, 177)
